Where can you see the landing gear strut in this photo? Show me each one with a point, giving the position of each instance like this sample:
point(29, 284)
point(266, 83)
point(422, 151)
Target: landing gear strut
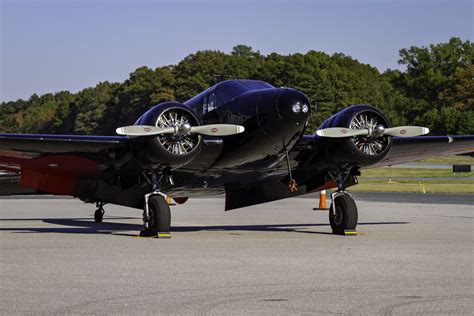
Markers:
point(343, 213)
point(99, 212)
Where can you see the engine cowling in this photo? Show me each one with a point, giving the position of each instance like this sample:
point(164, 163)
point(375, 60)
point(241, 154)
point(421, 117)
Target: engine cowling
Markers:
point(361, 150)
point(169, 149)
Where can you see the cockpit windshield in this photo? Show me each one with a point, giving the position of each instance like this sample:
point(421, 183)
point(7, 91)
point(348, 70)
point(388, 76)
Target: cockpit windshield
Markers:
point(223, 93)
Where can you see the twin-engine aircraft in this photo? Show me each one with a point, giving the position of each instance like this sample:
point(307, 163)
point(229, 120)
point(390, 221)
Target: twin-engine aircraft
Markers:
point(244, 138)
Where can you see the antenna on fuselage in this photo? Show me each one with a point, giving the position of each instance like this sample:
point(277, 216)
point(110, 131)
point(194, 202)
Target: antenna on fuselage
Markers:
point(221, 77)
point(313, 101)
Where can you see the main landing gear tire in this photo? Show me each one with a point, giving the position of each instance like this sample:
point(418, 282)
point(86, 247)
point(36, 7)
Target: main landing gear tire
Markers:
point(345, 217)
point(160, 217)
point(99, 215)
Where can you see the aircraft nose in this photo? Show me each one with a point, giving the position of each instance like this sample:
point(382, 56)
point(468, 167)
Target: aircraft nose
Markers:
point(293, 105)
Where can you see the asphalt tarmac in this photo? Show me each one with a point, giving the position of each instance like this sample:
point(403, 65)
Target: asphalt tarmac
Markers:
point(276, 258)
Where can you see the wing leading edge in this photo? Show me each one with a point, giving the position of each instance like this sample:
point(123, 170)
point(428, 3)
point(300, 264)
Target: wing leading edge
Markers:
point(35, 144)
point(408, 149)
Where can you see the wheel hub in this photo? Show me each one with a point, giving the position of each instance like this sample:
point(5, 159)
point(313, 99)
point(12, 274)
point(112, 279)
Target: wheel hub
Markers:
point(338, 217)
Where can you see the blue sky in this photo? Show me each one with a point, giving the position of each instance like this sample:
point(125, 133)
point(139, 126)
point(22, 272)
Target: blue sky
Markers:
point(49, 46)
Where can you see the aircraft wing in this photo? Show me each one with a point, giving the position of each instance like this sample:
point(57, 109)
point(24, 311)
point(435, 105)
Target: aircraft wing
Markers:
point(47, 143)
point(408, 149)
point(53, 163)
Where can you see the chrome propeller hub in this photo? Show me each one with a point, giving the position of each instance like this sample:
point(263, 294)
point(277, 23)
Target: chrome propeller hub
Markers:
point(181, 142)
point(375, 143)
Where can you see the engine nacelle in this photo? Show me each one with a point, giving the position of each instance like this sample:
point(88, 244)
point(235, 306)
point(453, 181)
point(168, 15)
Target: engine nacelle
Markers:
point(361, 150)
point(172, 150)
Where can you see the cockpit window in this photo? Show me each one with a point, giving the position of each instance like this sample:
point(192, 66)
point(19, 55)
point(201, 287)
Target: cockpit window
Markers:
point(222, 93)
point(209, 103)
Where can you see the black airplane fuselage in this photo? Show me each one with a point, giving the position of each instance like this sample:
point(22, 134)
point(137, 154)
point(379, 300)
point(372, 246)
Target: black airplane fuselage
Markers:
point(271, 125)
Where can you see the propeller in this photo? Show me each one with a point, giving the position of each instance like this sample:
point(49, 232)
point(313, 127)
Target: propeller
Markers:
point(184, 129)
point(378, 131)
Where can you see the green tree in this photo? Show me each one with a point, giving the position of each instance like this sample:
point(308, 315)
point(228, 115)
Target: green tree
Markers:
point(429, 68)
point(437, 86)
point(198, 71)
point(90, 106)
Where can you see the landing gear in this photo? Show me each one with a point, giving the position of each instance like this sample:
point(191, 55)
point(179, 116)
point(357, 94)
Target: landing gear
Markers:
point(156, 217)
point(343, 213)
point(156, 212)
point(99, 212)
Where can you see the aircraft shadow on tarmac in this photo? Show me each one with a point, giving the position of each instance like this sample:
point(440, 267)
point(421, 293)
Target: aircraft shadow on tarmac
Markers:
point(88, 226)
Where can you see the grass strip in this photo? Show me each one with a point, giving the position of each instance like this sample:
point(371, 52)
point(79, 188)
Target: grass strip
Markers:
point(449, 160)
point(392, 172)
point(380, 186)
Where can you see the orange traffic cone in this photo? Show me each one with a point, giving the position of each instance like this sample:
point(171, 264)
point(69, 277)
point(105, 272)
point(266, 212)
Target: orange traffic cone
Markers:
point(322, 201)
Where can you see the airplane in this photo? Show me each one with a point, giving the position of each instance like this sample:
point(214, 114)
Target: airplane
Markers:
point(242, 138)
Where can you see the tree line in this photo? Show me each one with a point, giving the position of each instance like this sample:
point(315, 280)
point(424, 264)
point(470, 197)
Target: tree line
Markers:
point(435, 90)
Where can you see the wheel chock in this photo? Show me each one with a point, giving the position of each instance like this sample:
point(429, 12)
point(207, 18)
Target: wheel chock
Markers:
point(144, 234)
point(164, 235)
point(350, 232)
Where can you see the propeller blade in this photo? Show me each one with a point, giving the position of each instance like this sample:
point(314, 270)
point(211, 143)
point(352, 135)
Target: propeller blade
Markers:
point(399, 131)
point(337, 132)
point(143, 130)
point(406, 131)
point(218, 129)
point(212, 130)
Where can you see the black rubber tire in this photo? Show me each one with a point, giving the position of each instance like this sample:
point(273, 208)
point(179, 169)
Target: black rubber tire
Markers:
point(160, 216)
point(99, 215)
point(346, 215)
